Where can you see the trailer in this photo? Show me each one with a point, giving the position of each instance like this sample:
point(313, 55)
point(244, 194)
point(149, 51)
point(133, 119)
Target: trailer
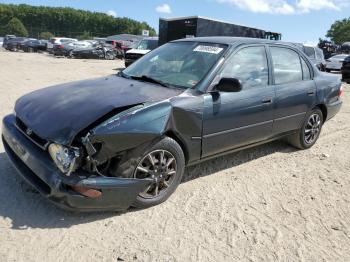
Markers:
point(196, 26)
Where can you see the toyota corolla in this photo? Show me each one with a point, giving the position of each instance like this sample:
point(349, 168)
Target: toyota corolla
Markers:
point(125, 140)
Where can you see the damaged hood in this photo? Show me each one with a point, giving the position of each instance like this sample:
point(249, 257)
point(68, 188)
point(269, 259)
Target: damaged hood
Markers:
point(60, 112)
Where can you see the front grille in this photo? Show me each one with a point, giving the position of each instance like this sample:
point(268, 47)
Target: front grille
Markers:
point(133, 56)
point(42, 143)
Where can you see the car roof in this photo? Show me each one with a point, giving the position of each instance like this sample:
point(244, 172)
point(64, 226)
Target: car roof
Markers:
point(155, 38)
point(235, 40)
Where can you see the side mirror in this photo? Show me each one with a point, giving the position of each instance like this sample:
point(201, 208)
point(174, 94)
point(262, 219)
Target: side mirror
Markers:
point(228, 85)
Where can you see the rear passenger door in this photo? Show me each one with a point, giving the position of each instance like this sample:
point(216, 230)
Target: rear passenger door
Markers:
point(294, 86)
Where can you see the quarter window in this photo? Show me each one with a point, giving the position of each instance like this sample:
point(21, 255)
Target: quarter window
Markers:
point(306, 70)
point(286, 65)
point(249, 65)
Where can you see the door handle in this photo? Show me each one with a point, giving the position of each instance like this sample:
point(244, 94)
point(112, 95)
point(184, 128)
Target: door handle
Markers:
point(267, 100)
point(311, 93)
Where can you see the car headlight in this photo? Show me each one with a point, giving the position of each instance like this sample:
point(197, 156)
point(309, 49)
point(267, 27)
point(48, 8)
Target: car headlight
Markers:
point(65, 158)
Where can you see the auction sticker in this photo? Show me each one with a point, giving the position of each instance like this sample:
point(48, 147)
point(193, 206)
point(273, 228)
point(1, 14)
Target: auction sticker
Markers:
point(208, 49)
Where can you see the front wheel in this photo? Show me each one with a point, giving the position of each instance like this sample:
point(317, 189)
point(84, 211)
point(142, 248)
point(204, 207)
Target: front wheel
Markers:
point(309, 132)
point(163, 164)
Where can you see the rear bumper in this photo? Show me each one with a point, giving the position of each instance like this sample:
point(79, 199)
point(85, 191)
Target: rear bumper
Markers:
point(38, 170)
point(333, 109)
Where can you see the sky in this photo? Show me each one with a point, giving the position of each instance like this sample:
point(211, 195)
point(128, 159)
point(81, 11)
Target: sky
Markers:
point(303, 21)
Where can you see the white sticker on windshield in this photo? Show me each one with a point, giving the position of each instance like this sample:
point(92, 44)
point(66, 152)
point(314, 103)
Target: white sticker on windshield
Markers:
point(208, 49)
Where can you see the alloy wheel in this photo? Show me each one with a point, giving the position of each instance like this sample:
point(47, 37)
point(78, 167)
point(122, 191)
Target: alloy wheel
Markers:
point(159, 166)
point(312, 129)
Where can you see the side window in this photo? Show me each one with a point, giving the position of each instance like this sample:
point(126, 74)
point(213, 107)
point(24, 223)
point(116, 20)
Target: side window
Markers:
point(249, 65)
point(286, 65)
point(306, 70)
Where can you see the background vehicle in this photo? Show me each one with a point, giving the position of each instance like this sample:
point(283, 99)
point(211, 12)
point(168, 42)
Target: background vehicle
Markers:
point(66, 48)
point(196, 26)
point(316, 56)
point(6, 39)
point(143, 47)
point(13, 44)
point(58, 41)
point(131, 135)
point(126, 41)
point(345, 70)
point(33, 46)
point(97, 51)
point(1, 41)
point(335, 63)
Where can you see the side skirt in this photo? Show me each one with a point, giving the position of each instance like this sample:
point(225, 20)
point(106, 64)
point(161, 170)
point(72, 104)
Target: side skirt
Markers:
point(242, 148)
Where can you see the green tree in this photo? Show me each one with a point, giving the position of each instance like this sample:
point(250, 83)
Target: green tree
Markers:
point(340, 31)
point(69, 22)
point(85, 36)
point(46, 35)
point(16, 27)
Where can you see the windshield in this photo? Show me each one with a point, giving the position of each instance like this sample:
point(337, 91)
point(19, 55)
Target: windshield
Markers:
point(147, 45)
point(180, 64)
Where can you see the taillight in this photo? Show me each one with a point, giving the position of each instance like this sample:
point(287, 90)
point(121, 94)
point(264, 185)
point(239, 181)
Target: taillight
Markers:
point(60, 46)
point(341, 91)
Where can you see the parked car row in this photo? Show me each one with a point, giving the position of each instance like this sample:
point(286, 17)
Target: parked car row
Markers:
point(68, 47)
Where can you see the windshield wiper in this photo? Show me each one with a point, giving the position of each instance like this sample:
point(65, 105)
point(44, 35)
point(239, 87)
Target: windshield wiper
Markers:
point(149, 79)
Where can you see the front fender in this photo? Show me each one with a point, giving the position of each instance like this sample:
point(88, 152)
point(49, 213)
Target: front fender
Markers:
point(130, 129)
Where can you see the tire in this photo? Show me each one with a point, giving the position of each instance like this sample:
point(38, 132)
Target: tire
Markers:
point(136, 158)
point(302, 139)
point(70, 54)
point(109, 56)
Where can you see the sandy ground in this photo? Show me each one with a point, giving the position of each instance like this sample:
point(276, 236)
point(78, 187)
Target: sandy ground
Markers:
point(270, 203)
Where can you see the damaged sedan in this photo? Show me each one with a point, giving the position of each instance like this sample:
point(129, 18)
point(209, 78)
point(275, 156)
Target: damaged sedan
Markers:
point(125, 140)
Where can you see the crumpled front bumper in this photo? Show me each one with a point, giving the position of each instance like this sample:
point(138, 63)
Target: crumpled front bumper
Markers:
point(36, 167)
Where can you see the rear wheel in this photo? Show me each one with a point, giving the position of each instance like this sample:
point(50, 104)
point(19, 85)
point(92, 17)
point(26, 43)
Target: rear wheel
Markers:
point(310, 131)
point(70, 54)
point(110, 56)
point(163, 164)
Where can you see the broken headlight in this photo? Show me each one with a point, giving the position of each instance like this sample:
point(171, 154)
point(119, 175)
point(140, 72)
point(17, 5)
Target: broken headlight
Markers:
point(65, 158)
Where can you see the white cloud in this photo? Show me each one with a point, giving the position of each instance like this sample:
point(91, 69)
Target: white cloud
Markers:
point(112, 13)
point(286, 6)
point(164, 9)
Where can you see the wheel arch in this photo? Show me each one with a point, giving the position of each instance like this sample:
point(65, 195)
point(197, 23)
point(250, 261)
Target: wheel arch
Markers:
point(182, 144)
point(323, 109)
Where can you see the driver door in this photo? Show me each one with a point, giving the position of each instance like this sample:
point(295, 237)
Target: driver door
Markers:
point(236, 119)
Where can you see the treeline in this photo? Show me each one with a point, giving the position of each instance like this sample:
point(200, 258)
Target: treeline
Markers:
point(69, 22)
point(340, 31)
